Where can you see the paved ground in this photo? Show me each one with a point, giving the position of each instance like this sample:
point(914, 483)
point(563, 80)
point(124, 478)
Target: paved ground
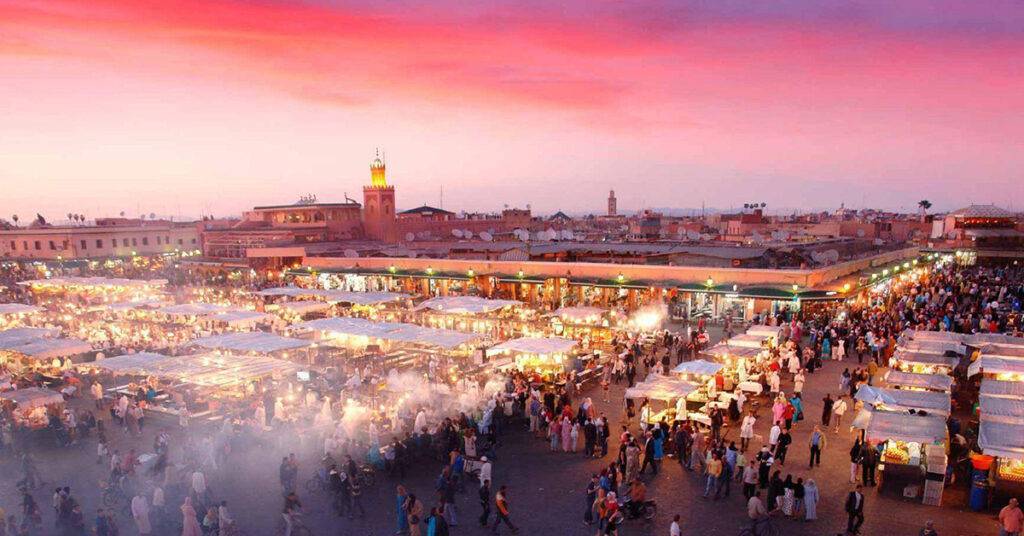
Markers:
point(546, 488)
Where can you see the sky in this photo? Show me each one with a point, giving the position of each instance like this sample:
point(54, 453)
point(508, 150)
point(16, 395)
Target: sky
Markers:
point(189, 107)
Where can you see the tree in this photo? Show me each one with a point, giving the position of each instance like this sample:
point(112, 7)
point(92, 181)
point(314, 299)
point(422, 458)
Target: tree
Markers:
point(69, 216)
point(15, 218)
point(924, 205)
point(122, 213)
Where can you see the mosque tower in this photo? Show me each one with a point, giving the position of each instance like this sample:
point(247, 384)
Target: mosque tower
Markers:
point(612, 204)
point(379, 204)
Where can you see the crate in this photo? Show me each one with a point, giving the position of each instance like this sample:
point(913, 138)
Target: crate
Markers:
point(933, 492)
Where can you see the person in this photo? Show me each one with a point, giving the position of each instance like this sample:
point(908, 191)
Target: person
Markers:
point(712, 473)
point(756, 510)
point(502, 511)
point(485, 470)
point(414, 513)
point(591, 496)
point(225, 522)
point(637, 496)
point(868, 463)
point(140, 512)
point(401, 521)
point(1010, 519)
point(749, 479)
point(817, 443)
point(929, 529)
point(673, 529)
point(826, 410)
point(811, 496)
point(485, 503)
point(788, 496)
point(837, 412)
point(854, 460)
point(783, 446)
point(747, 431)
point(855, 510)
point(189, 522)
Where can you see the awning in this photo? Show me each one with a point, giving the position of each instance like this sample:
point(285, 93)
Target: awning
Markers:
point(341, 327)
point(748, 341)
point(904, 400)
point(258, 342)
point(94, 282)
point(996, 365)
point(18, 309)
point(303, 307)
point(535, 345)
point(773, 332)
point(699, 367)
point(53, 348)
point(993, 387)
point(1002, 350)
point(139, 364)
point(935, 382)
point(979, 339)
point(1002, 409)
point(883, 425)
point(33, 397)
point(916, 358)
point(934, 347)
point(465, 305)
point(15, 337)
point(661, 388)
point(238, 318)
point(1001, 439)
point(723, 350)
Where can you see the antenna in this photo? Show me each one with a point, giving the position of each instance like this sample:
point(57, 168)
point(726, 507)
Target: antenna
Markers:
point(442, 197)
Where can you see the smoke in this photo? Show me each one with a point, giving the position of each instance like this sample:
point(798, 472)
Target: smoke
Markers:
point(648, 317)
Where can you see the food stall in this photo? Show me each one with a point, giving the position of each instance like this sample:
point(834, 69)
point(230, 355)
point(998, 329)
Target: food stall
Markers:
point(743, 360)
point(703, 374)
point(1004, 439)
point(258, 343)
point(547, 356)
point(666, 389)
point(589, 324)
point(913, 449)
point(497, 319)
point(923, 363)
point(904, 400)
point(772, 333)
point(15, 314)
point(31, 407)
point(929, 382)
point(43, 356)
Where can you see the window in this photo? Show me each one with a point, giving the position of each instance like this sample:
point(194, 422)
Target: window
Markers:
point(52, 245)
point(167, 239)
point(82, 242)
point(145, 241)
point(24, 245)
point(113, 242)
point(193, 240)
point(39, 245)
point(99, 244)
point(180, 241)
point(14, 245)
point(135, 242)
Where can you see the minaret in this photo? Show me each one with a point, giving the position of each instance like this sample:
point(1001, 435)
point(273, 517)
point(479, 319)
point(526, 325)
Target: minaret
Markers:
point(612, 208)
point(379, 204)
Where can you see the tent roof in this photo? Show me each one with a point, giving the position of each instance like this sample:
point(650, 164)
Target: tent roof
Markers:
point(990, 364)
point(903, 400)
point(87, 282)
point(32, 397)
point(765, 331)
point(193, 309)
point(937, 382)
point(465, 304)
point(304, 306)
point(1002, 409)
point(51, 348)
point(1002, 350)
point(140, 364)
point(19, 336)
point(390, 331)
point(340, 296)
point(1001, 439)
point(238, 317)
point(926, 359)
point(992, 387)
point(536, 345)
point(661, 388)
point(723, 349)
point(979, 339)
point(259, 342)
point(580, 313)
point(698, 366)
point(883, 425)
point(934, 347)
point(18, 309)
point(941, 336)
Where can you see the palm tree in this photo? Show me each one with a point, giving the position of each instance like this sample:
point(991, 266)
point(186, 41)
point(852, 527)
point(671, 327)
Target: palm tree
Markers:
point(15, 218)
point(69, 217)
point(122, 213)
point(924, 205)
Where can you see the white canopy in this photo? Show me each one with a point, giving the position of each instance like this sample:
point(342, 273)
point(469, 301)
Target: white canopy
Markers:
point(466, 305)
point(337, 296)
point(934, 347)
point(723, 349)
point(32, 397)
point(18, 309)
point(193, 309)
point(94, 282)
point(765, 331)
point(993, 387)
point(12, 338)
point(303, 307)
point(341, 327)
point(747, 341)
point(935, 382)
point(53, 348)
point(1002, 439)
point(1002, 350)
point(255, 341)
point(581, 314)
point(979, 339)
point(699, 367)
point(140, 364)
point(238, 318)
point(928, 359)
point(661, 388)
point(996, 365)
point(1002, 409)
point(535, 345)
point(883, 425)
point(940, 336)
point(903, 400)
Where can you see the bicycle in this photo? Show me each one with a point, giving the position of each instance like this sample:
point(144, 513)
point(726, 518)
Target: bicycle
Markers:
point(761, 527)
point(112, 493)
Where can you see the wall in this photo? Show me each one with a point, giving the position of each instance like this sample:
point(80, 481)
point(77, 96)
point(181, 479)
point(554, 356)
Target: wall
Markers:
point(67, 241)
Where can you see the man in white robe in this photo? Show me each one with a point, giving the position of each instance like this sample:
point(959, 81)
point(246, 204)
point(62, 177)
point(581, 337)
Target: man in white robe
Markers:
point(140, 511)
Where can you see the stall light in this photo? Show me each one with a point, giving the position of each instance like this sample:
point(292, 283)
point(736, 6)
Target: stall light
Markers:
point(885, 272)
point(520, 274)
point(796, 288)
point(430, 271)
point(874, 276)
point(915, 262)
point(710, 282)
point(620, 278)
point(392, 268)
point(906, 265)
point(846, 287)
point(470, 273)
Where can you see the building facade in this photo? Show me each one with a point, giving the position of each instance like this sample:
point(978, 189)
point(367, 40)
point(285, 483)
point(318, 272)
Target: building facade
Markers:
point(130, 237)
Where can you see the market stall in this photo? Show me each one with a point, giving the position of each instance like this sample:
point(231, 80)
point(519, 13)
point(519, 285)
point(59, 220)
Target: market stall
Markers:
point(913, 450)
point(923, 363)
point(15, 314)
point(772, 333)
point(31, 408)
point(668, 390)
point(904, 400)
point(908, 380)
point(1005, 441)
point(258, 343)
point(547, 356)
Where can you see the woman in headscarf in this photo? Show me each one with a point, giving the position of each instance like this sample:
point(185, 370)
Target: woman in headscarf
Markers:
point(811, 496)
point(414, 511)
point(788, 496)
point(403, 520)
point(189, 522)
point(566, 430)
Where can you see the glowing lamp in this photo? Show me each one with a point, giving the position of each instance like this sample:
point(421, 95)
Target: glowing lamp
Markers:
point(620, 278)
point(796, 288)
point(470, 272)
point(885, 272)
point(710, 282)
point(520, 274)
point(392, 268)
point(846, 287)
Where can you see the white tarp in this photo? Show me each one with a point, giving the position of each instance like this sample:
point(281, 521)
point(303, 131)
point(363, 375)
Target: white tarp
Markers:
point(773, 332)
point(747, 341)
point(980, 339)
point(336, 296)
point(15, 337)
point(465, 305)
point(934, 347)
point(996, 365)
point(94, 282)
point(723, 349)
point(303, 307)
point(33, 397)
point(535, 345)
point(343, 327)
point(1002, 350)
point(53, 348)
point(992, 387)
point(661, 388)
point(255, 341)
point(237, 318)
point(903, 400)
point(139, 364)
point(193, 309)
point(699, 367)
point(883, 425)
point(935, 382)
point(18, 309)
point(928, 359)
point(1001, 408)
point(1001, 439)
point(581, 314)
point(939, 336)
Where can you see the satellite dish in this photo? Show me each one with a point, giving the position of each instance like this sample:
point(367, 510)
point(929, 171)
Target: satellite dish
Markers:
point(467, 233)
point(409, 237)
point(566, 234)
point(351, 253)
point(552, 234)
point(542, 236)
point(693, 235)
point(879, 242)
point(860, 233)
point(485, 236)
point(456, 233)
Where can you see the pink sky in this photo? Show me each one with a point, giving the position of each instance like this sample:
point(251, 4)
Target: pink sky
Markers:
point(206, 106)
